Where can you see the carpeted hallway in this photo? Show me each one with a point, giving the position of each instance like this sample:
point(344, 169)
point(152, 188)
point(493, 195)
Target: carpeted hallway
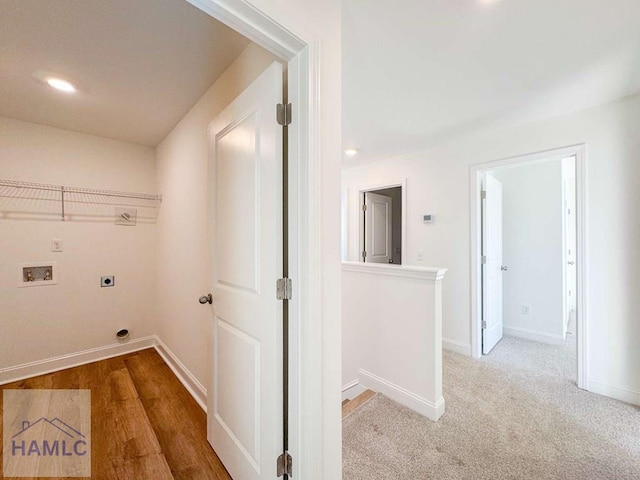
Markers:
point(515, 414)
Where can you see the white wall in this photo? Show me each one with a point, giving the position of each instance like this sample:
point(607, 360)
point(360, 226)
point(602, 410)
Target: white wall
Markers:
point(438, 182)
point(532, 250)
point(38, 323)
point(397, 355)
point(183, 253)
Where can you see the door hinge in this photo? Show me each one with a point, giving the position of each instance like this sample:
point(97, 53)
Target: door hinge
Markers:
point(364, 208)
point(364, 254)
point(285, 465)
point(484, 324)
point(283, 114)
point(483, 194)
point(483, 259)
point(284, 289)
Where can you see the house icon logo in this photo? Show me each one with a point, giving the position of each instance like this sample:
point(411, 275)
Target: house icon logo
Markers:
point(46, 433)
point(46, 437)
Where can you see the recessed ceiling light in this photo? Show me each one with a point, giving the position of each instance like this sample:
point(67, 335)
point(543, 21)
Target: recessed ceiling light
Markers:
point(61, 85)
point(351, 152)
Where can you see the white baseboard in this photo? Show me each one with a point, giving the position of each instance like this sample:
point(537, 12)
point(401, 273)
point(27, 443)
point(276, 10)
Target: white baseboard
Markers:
point(50, 365)
point(619, 393)
point(433, 411)
point(190, 382)
point(541, 337)
point(351, 390)
point(456, 346)
point(55, 364)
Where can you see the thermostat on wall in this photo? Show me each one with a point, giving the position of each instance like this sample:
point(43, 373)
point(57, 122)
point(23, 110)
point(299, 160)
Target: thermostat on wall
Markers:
point(427, 218)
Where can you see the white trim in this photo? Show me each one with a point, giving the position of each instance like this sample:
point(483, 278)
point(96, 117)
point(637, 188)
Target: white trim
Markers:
point(582, 245)
point(352, 389)
point(542, 337)
point(619, 393)
point(70, 360)
point(433, 274)
point(456, 346)
point(247, 20)
point(361, 191)
point(309, 425)
point(190, 382)
point(475, 177)
point(433, 411)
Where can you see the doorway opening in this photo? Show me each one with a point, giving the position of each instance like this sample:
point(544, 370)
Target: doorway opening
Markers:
point(528, 261)
point(382, 225)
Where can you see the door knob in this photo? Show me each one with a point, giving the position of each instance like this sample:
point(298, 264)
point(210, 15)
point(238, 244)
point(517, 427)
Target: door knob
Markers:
point(504, 268)
point(206, 299)
point(571, 263)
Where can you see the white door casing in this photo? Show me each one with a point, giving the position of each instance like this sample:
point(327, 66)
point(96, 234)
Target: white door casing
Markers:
point(244, 421)
point(378, 228)
point(492, 266)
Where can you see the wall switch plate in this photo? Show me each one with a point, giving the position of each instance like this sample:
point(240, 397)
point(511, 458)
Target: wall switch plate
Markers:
point(56, 245)
point(420, 255)
point(108, 281)
point(525, 309)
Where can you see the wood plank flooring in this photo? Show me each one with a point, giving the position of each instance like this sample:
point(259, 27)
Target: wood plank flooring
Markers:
point(144, 425)
point(349, 406)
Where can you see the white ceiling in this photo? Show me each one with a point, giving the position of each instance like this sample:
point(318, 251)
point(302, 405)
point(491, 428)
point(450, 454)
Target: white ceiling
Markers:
point(140, 64)
point(420, 71)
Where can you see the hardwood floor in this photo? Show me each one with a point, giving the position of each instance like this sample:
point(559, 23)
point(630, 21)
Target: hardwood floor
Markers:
point(145, 425)
point(349, 406)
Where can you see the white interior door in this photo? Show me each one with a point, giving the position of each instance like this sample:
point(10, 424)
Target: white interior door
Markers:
point(492, 266)
point(244, 418)
point(570, 235)
point(378, 224)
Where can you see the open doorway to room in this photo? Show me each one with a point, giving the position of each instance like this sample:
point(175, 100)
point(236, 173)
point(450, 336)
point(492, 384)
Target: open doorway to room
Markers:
point(221, 134)
point(381, 225)
point(528, 263)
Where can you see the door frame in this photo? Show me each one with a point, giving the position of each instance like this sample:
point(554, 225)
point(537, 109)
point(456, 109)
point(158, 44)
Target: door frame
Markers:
point(475, 189)
point(361, 227)
point(307, 411)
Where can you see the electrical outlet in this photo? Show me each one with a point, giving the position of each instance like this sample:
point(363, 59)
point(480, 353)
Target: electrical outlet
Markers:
point(525, 309)
point(56, 245)
point(420, 255)
point(108, 281)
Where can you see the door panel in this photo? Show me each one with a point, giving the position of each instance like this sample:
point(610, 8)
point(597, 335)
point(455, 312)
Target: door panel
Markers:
point(238, 357)
point(378, 228)
point(237, 188)
point(492, 268)
point(570, 225)
point(245, 418)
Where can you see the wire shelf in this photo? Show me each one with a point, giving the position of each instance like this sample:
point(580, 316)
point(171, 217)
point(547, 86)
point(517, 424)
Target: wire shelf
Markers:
point(30, 200)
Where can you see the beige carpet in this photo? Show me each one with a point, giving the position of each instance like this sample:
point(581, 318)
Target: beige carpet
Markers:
point(515, 414)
